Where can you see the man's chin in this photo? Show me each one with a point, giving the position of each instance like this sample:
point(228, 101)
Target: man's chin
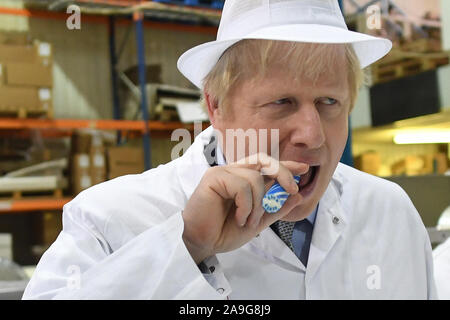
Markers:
point(299, 213)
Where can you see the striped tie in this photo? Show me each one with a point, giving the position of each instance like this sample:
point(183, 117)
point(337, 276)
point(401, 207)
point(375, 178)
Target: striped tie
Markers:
point(296, 235)
point(284, 230)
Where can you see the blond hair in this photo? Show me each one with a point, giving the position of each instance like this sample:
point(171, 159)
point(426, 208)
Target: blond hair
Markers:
point(250, 59)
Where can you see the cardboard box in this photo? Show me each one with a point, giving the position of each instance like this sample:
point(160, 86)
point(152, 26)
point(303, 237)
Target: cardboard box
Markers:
point(80, 142)
point(122, 171)
point(98, 167)
point(97, 160)
point(39, 52)
point(97, 177)
point(125, 157)
point(18, 53)
point(44, 52)
point(369, 162)
point(81, 163)
point(81, 172)
point(51, 227)
point(427, 164)
point(87, 141)
point(410, 165)
point(83, 182)
point(45, 99)
point(14, 37)
point(2, 75)
point(13, 98)
point(440, 163)
point(125, 160)
point(29, 74)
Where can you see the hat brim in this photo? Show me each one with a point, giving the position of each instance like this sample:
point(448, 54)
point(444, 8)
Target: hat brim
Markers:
point(196, 63)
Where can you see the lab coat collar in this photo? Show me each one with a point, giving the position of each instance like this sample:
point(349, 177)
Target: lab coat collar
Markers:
point(331, 221)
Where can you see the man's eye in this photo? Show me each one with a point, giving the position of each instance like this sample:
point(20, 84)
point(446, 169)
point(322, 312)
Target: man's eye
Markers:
point(283, 101)
point(328, 101)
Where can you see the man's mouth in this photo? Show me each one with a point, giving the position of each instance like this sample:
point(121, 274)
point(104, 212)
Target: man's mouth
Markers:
point(308, 180)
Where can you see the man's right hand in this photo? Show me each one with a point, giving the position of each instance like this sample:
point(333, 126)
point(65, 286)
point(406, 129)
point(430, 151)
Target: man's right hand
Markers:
point(225, 211)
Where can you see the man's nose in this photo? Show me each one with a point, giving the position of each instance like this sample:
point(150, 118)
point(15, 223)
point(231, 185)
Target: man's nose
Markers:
point(307, 127)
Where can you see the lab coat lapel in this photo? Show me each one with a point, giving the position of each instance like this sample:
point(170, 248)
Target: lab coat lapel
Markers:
point(329, 225)
point(269, 246)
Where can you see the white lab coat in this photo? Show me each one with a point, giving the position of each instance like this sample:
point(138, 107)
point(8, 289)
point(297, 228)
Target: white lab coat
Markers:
point(441, 258)
point(122, 239)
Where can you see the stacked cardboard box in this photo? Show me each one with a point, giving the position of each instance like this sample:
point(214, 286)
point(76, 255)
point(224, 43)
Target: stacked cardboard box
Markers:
point(125, 160)
point(97, 160)
point(88, 160)
point(414, 165)
point(81, 178)
point(26, 79)
point(369, 162)
point(51, 227)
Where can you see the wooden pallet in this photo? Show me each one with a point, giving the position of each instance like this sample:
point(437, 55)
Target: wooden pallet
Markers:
point(403, 67)
point(423, 45)
point(24, 113)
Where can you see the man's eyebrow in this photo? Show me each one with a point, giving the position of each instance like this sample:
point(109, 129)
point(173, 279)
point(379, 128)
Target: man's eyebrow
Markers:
point(333, 91)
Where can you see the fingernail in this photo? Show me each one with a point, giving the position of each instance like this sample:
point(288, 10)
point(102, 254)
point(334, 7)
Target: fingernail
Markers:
point(295, 182)
point(294, 186)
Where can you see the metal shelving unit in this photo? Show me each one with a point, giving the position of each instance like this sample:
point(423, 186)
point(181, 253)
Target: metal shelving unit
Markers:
point(32, 205)
point(110, 13)
point(141, 14)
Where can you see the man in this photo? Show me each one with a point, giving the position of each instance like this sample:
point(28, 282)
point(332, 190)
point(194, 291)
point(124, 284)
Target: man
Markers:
point(287, 71)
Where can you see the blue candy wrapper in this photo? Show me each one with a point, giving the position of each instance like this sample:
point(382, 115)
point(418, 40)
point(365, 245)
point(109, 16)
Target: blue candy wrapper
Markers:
point(275, 198)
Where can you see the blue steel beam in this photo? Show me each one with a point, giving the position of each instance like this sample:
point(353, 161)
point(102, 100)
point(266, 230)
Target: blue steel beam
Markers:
point(347, 156)
point(139, 23)
point(114, 76)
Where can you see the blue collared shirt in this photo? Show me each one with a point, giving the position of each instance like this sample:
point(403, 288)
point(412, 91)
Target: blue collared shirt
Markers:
point(299, 237)
point(312, 217)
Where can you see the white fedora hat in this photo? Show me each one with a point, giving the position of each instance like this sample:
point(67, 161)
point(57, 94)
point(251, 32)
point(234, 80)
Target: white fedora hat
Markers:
point(315, 21)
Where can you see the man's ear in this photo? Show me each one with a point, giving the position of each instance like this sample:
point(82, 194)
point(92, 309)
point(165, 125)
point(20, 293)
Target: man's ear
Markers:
point(213, 108)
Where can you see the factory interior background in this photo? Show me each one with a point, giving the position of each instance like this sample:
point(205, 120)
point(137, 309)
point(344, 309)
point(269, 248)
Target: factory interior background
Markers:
point(73, 112)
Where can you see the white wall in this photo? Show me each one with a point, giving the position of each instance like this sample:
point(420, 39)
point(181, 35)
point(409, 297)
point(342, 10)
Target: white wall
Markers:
point(445, 5)
point(444, 86)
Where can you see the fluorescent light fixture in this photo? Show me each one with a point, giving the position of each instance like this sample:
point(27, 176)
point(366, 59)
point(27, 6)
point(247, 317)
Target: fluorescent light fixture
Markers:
point(419, 137)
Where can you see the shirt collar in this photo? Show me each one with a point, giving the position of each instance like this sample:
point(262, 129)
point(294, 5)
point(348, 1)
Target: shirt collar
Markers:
point(312, 217)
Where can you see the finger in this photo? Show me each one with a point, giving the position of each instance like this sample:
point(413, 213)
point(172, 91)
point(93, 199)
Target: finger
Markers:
point(234, 187)
point(270, 218)
point(274, 169)
point(257, 183)
point(297, 168)
point(244, 204)
point(269, 165)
